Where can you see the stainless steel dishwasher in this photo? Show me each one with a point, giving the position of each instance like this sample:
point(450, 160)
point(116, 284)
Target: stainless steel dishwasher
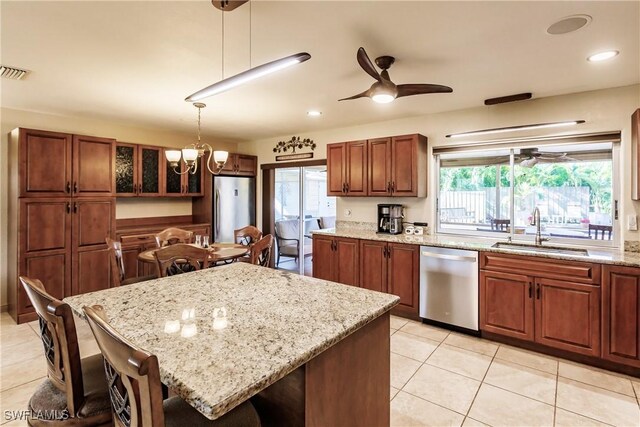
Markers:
point(449, 286)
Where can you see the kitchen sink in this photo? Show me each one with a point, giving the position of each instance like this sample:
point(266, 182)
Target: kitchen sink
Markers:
point(541, 249)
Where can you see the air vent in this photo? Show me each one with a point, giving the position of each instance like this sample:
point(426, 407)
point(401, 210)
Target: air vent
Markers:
point(12, 73)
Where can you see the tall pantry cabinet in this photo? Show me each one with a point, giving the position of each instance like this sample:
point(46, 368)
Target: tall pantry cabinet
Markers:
point(61, 208)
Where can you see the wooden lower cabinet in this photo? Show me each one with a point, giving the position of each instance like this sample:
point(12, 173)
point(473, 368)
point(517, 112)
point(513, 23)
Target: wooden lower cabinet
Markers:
point(373, 265)
point(53, 269)
point(567, 316)
point(554, 312)
point(336, 259)
point(506, 304)
point(621, 315)
point(403, 263)
point(91, 271)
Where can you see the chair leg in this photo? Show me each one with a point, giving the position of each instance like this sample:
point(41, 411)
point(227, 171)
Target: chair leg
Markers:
point(278, 260)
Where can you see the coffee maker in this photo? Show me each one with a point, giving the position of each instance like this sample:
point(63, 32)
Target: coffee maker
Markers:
point(390, 219)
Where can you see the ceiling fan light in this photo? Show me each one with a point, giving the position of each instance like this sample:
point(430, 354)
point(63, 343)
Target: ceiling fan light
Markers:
point(383, 98)
point(220, 157)
point(173, 156)
point(246, 76)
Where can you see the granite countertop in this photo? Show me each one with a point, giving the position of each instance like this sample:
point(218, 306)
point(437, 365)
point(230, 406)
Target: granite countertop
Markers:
point(596, 254)
point(276, 322)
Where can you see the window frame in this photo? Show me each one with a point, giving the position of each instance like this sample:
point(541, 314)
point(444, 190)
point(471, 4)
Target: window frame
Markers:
point(615, 199)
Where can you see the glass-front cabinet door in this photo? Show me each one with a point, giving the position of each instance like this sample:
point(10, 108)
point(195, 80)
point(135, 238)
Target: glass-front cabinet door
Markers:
point(173, 183)
point(194, 182)
point(126, 160)
point(149, 170)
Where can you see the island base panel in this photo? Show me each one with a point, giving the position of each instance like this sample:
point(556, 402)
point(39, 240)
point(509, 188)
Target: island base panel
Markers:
point(346, 385)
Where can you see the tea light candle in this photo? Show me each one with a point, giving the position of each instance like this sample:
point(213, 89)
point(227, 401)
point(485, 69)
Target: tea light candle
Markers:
point(171, 326)
point(219, 323)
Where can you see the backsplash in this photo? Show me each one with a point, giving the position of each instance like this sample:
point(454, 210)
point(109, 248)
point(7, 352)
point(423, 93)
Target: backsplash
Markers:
point(365, 226)
point(631, 246)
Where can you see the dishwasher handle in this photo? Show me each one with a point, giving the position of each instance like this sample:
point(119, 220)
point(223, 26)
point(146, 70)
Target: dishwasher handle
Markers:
point(449, 257)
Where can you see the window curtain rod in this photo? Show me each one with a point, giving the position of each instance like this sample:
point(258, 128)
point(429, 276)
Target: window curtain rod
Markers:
point(587, 138)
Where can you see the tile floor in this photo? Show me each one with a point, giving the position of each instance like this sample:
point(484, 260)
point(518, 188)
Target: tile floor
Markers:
point(438, 378)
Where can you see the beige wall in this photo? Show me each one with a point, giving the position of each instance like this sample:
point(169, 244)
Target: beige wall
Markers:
point(125, 208)
point(604, 110)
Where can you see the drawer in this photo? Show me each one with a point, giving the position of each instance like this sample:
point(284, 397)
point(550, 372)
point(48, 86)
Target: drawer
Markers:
point(574, 271)
point(137, 239)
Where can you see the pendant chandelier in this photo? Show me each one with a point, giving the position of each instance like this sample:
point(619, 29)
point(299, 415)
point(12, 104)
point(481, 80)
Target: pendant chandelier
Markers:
point(192, 153)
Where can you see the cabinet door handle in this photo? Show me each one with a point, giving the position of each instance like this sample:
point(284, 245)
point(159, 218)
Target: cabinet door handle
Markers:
point(75, 186)
point(75, 208)
point(388, 186)
point(530, 290)
point(68, 187)
point(393, 187)
point(347, 184)
point(388, 252)
point(384, 251)
point(538, 291)
point(68, 207)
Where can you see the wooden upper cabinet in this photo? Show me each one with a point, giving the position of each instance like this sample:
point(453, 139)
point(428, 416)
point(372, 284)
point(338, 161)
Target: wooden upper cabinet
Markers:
point(356, 168)
point(379, 159)
point(394, 166)
point(183, 184)
point(506, 304)
point(404, 166)
point(336, 169)
point(621, 315)
point(239, 165)
point(567, 316)
point(149, 171)
point(44, 163)
point(93, 166)
point(126, 175)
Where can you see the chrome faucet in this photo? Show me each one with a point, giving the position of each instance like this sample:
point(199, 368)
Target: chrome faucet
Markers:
point(535, 220)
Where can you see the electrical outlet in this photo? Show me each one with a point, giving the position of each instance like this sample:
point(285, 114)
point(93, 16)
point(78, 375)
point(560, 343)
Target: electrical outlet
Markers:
point(632, 223)
point(347, 212)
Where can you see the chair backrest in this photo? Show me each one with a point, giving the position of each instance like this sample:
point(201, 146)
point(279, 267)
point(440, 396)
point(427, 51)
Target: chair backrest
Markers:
point(327, 221)
point(58, 335)
point(133, 376)
point(116, 262)
point(247, 235)
point(261, 251)
point(602, 229)
point(172, 235)
point(288, 229)
point(500, 224)
point(180, 258)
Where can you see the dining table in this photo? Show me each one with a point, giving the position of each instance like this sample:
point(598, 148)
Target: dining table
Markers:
point(218, 252)
point(305, 351)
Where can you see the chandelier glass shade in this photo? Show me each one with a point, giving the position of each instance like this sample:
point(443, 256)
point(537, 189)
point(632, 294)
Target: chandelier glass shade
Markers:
point(192, 153)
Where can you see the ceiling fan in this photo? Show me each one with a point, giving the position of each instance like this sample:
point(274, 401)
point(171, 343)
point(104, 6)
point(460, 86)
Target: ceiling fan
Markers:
point(529, 157)
point(383, 90)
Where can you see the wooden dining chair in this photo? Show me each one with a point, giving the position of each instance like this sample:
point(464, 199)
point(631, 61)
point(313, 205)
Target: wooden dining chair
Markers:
point(261, 251)
point(180, 258)
point(247, 236)
point(116, 262)
point(173, 235)
point(600, 229)
point(75, 391)
point(133, 376)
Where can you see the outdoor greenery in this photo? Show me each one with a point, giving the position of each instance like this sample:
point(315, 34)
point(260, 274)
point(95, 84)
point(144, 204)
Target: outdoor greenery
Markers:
point(597, 175)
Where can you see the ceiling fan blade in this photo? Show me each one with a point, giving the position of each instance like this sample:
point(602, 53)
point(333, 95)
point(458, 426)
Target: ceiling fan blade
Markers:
point(366, 64)
point(419, 89)
point(360, 95)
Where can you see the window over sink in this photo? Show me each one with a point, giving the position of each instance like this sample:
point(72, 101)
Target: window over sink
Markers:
point(493, 192)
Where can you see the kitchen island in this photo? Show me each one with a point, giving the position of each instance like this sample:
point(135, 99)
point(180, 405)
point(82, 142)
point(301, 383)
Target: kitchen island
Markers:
point(307, 351)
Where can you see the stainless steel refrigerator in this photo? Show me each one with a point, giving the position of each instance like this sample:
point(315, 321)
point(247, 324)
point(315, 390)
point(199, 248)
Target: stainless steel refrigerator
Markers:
point(234, 205)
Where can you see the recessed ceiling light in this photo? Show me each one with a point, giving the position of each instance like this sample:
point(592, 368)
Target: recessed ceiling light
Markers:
point(568, 24)
point(602, 56)
point(314, 113)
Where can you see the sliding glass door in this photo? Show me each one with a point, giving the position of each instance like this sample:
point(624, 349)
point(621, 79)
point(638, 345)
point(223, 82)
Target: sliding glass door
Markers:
point(300, 206)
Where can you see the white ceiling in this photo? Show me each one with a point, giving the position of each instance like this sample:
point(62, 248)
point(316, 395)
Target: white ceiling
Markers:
point(136, 61)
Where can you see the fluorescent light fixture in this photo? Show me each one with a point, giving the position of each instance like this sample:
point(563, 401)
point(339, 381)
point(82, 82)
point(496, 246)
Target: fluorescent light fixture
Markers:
point(515, 128)
point(603, 56)
point(247, 76)
point(314, 113)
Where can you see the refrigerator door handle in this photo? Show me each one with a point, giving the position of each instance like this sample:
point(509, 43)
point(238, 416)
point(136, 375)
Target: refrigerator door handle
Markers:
point(217, 221)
